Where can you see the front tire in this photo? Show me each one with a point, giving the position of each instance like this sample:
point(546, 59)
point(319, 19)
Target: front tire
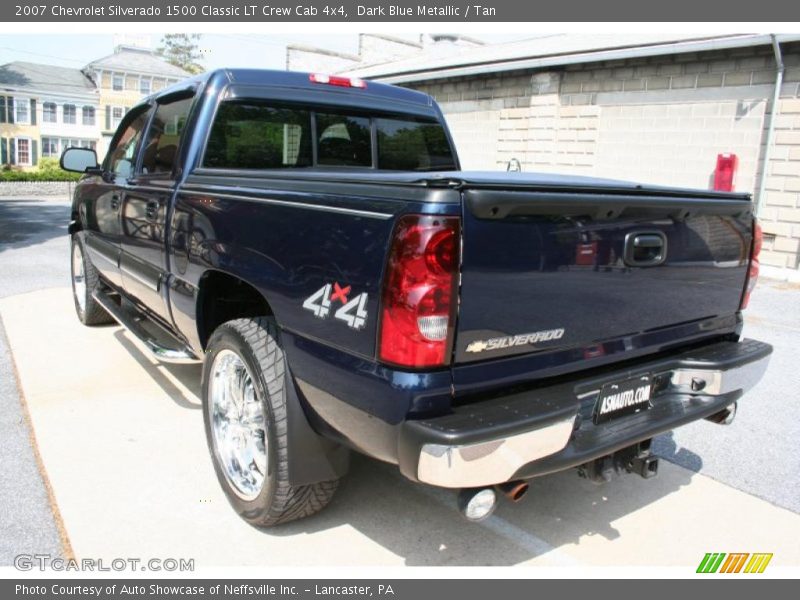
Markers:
point(244, 410)
point(84, 280)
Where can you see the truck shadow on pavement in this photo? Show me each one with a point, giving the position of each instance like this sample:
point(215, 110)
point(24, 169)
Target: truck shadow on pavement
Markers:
point(187, 375)
point(422, 524)
point(28, 222)
point(665, 447)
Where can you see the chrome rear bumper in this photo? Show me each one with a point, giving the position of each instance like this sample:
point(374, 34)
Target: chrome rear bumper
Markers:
point(500, 440)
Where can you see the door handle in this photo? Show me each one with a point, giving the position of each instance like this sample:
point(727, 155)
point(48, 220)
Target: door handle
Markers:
point(151, 210)
point(645, 249)
point(115, 202)
point(648, 240)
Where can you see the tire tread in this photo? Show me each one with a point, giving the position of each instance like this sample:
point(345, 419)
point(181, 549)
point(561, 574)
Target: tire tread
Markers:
point(288, 502)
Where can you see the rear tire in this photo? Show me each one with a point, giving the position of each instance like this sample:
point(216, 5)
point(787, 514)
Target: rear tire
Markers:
point(84, 281)
point(247, 430)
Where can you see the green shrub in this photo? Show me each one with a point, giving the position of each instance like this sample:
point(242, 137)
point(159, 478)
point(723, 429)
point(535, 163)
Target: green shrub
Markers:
point(46, 170)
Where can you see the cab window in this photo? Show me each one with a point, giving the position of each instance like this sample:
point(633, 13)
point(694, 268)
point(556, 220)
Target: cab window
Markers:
point(409, 145)
point(254, 135)
point(122, 155)
point(344, 141)
point(160, 148)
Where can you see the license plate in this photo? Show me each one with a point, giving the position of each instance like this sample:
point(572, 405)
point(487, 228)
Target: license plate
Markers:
point(623, 398)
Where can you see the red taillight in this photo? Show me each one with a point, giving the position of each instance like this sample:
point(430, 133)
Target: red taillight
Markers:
point(752, 272)
point(419, 292)
point(337, 81)
point(758, 239)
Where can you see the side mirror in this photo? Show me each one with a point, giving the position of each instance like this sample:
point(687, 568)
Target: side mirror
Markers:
point(79, 160)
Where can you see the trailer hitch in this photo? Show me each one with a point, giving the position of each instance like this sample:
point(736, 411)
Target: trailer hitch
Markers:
point(633, 459)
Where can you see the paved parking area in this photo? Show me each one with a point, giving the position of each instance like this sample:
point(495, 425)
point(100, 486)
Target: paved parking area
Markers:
point(122, 445)
point(758, 452)
point(32, 252)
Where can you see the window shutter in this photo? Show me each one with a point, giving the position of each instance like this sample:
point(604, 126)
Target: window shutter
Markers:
point(2, 110)
point(34, 152)
point(12, 152)
point(10, 109)
point(33, 111)
point(108, 118)
point(3, 148)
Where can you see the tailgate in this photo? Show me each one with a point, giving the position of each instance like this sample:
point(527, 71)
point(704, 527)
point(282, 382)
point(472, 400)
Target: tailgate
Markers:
point(565, 280)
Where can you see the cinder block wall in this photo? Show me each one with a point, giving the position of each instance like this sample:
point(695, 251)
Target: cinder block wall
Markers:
point(657, 120)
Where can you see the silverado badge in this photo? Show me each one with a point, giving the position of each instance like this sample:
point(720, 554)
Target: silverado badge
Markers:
point(509, 341)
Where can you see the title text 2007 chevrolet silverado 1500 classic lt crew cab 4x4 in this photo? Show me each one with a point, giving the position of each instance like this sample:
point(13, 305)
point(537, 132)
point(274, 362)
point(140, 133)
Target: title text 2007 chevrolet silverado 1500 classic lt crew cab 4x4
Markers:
point(312, 240)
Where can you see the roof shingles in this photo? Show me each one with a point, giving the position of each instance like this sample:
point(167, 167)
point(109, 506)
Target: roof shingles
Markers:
point(35, 76)
point(138, 60)
point(21, 74)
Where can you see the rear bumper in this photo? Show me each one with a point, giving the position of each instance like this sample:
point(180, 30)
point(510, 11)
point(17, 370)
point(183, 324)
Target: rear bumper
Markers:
point(549, 429)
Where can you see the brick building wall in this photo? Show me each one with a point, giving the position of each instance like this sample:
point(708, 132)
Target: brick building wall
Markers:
point(659, 120)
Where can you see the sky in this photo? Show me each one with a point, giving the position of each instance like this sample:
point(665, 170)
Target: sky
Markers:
point(219, 50)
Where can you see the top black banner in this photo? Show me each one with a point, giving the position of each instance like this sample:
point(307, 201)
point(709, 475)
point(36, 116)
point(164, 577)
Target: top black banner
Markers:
point(400, 10)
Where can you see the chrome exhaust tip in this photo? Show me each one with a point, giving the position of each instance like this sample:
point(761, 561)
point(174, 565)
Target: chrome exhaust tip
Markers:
point(477, 504)
point(725, 416)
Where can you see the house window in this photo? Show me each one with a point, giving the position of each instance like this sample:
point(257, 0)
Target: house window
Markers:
point(70, 114)
point(144, 86)
point(22, 111)
point(117, 82)
point(23, 151)
point(50, 147)
point(116, 116)
point(88, 115)
point(53, 146)
point(49, 112)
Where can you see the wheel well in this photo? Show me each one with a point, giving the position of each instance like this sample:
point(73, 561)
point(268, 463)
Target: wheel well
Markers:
point(222, 298)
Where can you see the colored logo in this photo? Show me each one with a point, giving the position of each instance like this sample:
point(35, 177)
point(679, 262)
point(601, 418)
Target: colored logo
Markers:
point(352, 311)
point(735, 562)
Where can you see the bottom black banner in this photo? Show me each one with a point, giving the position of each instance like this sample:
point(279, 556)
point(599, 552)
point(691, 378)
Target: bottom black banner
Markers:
point(463, 589)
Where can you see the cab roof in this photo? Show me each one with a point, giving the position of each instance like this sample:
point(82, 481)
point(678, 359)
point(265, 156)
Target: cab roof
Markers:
point(297, 80)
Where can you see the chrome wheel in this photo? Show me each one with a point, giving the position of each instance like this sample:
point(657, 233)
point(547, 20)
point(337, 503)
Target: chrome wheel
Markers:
point(78, 277)
point(238, 424)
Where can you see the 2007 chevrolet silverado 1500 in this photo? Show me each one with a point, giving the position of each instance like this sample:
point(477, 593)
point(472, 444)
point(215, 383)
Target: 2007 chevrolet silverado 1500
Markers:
point(313, 242)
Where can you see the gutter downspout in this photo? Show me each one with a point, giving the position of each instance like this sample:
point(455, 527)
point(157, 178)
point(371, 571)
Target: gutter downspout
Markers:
point(779, 69)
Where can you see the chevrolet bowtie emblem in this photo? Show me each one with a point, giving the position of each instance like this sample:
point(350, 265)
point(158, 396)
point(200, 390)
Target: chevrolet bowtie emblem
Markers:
point(477, 346)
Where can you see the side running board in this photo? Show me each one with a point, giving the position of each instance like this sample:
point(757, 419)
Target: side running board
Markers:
point(152, 337)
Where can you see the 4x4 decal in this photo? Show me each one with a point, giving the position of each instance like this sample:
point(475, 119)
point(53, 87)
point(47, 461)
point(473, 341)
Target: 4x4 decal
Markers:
point(353, 312)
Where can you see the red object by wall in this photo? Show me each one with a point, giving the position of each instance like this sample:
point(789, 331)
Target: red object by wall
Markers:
point(725, 172)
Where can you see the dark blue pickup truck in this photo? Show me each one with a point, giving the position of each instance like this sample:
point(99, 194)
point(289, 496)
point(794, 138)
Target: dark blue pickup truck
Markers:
point(312, 240)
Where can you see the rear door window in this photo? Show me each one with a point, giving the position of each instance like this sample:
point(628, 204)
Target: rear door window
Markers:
point(405, 145)
point(253, 135)
point(343, 141)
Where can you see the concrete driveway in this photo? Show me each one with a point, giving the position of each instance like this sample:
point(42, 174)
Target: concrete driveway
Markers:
point(122, 445)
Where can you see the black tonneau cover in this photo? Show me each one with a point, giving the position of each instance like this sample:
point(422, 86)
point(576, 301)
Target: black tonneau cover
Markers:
point(490, 180)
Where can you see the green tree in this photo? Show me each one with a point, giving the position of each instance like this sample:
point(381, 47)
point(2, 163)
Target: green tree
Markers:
point(181, 50)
